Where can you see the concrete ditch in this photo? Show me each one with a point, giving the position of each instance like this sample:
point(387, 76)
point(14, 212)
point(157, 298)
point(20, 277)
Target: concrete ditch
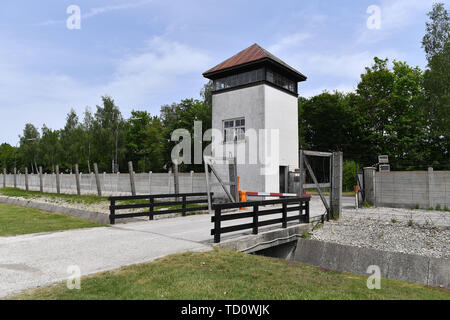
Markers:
point(394, 265)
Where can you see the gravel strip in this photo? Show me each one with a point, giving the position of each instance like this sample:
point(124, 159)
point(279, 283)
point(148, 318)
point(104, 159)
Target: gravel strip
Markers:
point(397, 230)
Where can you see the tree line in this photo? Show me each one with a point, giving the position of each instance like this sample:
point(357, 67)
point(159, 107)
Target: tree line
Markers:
point(397, 110)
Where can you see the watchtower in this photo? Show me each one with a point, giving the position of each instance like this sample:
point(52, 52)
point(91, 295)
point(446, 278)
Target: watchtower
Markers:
point(255, 95)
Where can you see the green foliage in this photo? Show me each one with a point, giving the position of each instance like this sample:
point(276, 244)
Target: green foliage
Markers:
point(305, 235)
point(349, 169)
point(182, 116)
point(437, 82)
point(437, 31)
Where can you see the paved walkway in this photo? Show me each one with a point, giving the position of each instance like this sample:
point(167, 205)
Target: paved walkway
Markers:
point(34, 260)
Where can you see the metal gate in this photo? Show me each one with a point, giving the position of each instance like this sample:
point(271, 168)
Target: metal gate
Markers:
point(334, 205)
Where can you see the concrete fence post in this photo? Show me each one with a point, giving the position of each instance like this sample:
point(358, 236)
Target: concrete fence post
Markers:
point(77, 179)
point(26, 179)
point(336, 185)
point(104, 181)
point(176, 180)
point(117, 181)
point(41, 182)
point(369, 185)
point(430, 187)
point(97, 180)
point(58, 181)
point(301, 165)
point(15, 177)
point(192, 181)
point(131, 172)
point(170, 179)
point(150, 181)
point(4, 178)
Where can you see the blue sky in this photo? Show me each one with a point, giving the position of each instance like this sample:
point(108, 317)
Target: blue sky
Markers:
point(147, 53)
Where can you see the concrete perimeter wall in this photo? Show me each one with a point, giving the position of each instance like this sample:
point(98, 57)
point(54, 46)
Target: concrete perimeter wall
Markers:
point(111, 184)
point(406, 189)
point(394, 265)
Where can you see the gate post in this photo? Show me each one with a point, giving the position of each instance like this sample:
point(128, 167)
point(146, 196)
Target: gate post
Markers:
point(369, 185)
point(301, 166)
point(336, 185)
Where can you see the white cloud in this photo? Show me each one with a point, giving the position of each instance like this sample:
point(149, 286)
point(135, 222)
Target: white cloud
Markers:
point(157, 71)
point(342, 87)
point(289, 42)
point(347, 64)
point(96, 11)
point(100, 10)
point(395, 16)
point(153, 74)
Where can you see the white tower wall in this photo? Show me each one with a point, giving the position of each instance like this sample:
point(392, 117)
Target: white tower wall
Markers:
point(263, 107)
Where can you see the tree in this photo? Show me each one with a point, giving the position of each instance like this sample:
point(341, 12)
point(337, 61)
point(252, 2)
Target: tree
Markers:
point(182, 116)
point(71, 141)
point(7, 153)
point(109, 132)
point(88, 124)
point(437, 31)
point(136, 134)
point(153, 145)
point(29, 142)
point(391, 110)
point(49, 149)
point(437, 84)
point(325, 112)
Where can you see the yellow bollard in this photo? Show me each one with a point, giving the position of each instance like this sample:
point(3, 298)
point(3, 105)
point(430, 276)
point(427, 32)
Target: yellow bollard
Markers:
point(243, 197)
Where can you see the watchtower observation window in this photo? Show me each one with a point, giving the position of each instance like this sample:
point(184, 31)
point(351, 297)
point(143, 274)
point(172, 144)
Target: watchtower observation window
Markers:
point(238, 79)
point(234, 130)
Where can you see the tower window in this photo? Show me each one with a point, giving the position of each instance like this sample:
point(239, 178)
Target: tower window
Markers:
point(281, 81)
point(238, 79)
point(234, 130)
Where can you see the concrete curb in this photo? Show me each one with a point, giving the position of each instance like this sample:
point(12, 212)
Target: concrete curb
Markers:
point(89, 215)
point(394, 265)
point(270, 238)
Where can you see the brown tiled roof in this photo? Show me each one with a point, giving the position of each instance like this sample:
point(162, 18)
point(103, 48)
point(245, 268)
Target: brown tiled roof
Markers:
point(251, 54)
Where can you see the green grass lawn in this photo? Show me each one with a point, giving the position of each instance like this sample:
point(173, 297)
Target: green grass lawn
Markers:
point(87, 199)
point(16, 220)
point(225, 274)
point(70, 198)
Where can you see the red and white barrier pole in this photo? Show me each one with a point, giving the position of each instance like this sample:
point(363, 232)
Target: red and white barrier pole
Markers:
point(273, 194)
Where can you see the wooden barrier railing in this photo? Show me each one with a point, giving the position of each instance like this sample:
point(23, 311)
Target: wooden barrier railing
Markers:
point(153, 203)
point(300, 204)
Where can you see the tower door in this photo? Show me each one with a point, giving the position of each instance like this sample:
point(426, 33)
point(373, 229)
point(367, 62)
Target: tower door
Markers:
point(284, 176)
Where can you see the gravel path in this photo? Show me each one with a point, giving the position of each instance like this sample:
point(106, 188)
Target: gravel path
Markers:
point(398, 230)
